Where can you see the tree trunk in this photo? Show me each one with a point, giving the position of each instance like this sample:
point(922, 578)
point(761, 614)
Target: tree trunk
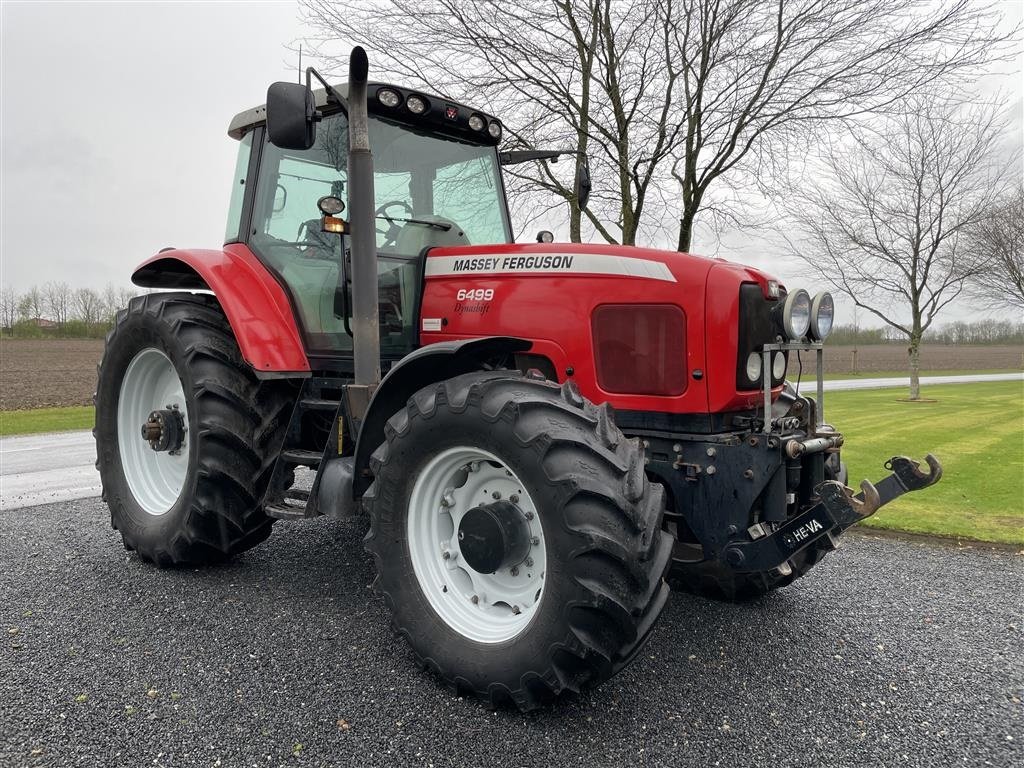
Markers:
point(914, 351)
point(575, 219)
point(685, 232)
point(629, 225)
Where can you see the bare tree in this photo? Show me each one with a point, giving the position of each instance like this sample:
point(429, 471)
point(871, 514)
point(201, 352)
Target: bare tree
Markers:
point(594, 77)
point(114, 298)
point(711, 93)
point(889, 223)
point(762, 77)
point(30, 305)
point(8, 308)
point(57, 296)
point(997, 251)
point(88, 306)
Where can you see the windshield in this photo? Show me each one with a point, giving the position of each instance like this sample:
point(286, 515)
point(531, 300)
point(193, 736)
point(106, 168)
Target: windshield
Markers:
point(428, 191)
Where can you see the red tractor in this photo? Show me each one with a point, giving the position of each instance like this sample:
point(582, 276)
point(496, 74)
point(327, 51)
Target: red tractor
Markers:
point(522, 530)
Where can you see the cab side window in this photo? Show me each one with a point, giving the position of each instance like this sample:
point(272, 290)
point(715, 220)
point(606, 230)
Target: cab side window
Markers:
point(238, 185)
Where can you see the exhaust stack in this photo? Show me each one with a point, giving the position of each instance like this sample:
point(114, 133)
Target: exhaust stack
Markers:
point(365, 317)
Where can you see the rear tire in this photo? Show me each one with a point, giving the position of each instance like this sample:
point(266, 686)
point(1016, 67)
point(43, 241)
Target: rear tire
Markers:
point(234, 423)
point(604, 551)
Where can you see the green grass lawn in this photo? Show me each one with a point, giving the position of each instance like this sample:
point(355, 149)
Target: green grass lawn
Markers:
point(975, 430)
point(45, 420)
point(899, 374)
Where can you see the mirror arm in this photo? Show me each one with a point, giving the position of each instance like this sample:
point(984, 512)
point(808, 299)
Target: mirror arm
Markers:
point(332, 94)
point(515, 157)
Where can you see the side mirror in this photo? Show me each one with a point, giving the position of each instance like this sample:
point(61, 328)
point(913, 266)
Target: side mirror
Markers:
point(583, 183)
point(291, 116)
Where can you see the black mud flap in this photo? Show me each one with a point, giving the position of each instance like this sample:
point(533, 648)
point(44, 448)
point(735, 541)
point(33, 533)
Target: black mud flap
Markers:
point(838, 509)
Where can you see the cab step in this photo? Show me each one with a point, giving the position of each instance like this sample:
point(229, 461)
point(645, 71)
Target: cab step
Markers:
point(285, 511)
point(306, 443)
point(301, 456)
point(319, 404)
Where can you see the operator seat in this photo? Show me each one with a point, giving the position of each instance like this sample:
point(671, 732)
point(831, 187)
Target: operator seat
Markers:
point(413, 237)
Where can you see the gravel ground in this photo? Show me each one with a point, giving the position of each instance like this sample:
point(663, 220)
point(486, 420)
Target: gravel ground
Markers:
point(890, 653)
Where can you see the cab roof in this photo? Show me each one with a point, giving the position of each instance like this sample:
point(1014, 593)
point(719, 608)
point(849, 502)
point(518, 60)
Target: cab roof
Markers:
point(442, 115)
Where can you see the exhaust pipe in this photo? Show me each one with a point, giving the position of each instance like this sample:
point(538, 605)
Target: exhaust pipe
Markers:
point(365, 317)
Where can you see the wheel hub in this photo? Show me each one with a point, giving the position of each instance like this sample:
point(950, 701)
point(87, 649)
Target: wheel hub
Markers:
point(477, 544)
point(494, 536)
point(156, 467)
point(164, 430)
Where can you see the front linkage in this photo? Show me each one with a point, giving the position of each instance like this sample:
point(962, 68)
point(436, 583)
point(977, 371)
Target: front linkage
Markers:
point(838, 509)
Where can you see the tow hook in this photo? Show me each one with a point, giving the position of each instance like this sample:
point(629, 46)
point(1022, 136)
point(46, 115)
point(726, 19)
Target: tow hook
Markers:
point(845, 508)
point(838, 509)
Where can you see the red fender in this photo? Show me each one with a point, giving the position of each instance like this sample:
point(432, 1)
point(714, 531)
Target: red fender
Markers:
point(256, 305)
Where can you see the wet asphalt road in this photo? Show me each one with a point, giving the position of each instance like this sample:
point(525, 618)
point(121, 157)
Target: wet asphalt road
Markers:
point(890, 653)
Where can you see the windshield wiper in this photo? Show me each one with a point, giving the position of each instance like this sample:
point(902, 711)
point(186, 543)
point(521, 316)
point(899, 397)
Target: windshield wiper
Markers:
point(434, 224)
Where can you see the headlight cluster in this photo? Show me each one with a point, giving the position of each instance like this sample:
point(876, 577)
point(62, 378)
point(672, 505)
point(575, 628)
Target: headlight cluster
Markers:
point(803, 316)
point(419, 105)
point(391, 98)
point(478, 122)
point(754, 365)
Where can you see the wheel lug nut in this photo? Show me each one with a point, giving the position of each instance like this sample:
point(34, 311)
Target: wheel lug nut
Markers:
point(529, 562)
point(448, 498)
point(496, 495)
point(515, 610)
point(514, 498)
point(528, 515)
point(446, 555)
point(534, 540)
point(474, 599)
point(514, 571)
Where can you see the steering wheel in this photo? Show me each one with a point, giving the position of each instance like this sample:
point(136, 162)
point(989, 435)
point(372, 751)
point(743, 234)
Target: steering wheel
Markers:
point(390, 234)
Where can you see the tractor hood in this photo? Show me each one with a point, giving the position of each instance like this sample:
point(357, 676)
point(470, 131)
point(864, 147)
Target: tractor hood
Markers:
point(578, 259)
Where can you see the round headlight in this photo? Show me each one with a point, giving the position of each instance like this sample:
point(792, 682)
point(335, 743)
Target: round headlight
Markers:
point(823, 313)
point(778, 365)
point(754, 366)
point(389, 98)
point(494, 129)
point(416, 104)
point(330, 205)
point(476, 122)
point(796, 314)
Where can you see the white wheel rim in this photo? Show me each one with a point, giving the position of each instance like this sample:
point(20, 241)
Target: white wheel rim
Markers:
point(442, 493)
point(155, 478)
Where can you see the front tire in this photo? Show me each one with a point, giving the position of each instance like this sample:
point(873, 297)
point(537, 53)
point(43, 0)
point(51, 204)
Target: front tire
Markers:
point(201, 503)
point(591, 587)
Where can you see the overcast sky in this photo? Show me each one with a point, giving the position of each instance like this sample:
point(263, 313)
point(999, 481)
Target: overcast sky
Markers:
point(113, 124)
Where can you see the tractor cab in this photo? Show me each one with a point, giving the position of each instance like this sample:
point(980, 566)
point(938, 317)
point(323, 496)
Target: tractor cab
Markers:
point(437, 182)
